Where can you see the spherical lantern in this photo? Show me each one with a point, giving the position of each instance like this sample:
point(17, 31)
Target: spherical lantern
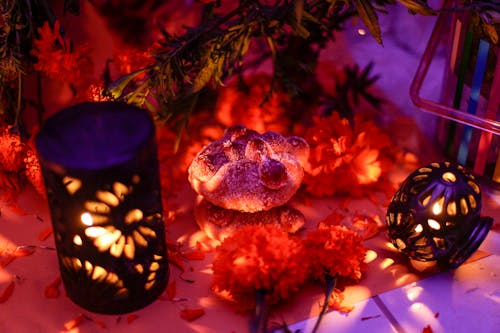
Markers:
point(100, 166)
point(435, 215)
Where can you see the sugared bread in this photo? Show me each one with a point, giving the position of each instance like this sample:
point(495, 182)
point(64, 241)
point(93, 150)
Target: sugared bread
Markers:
point(249, 172)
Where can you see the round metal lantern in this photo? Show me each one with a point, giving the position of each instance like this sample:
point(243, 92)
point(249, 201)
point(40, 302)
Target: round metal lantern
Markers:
point(435, 215)
point(100, 166)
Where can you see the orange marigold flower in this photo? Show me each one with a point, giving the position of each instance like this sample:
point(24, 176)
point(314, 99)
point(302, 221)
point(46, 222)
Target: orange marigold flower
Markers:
point(237, 105)
point(335, 250)
point(18, 163)
point(259, 258)
point(11, 151)
point(343, 157)
point(56, 56)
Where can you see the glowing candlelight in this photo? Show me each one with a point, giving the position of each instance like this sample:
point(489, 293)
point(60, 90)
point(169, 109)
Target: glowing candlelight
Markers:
point(86, 219)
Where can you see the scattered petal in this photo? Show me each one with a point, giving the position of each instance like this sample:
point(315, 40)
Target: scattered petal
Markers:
point(45, 233)
point(171, 289)
point(52, 290)
point(131, 318)
point(194, 255)
point(191, 314)
point(100, 324)
point(69, 325)
point(201, 246)
point(7, 292)
point(176, 259)
point(169, 293)
point(427, 329)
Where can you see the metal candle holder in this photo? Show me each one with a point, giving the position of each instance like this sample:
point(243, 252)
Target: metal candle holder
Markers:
point(100, 166)
point(435, 215)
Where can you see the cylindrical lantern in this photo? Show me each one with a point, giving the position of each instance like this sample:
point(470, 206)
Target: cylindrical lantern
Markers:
point(435, 215)
point(100, 166)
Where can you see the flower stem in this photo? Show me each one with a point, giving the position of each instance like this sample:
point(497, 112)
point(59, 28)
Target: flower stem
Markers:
point(258, 322)
point(330, 286)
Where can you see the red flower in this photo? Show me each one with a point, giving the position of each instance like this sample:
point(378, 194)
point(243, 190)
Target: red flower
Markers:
point(259, 258)
point(244, 106)
point(342, 157)
point(335, 250)
point(57, 58)
point(11, 151)
point(18, 163)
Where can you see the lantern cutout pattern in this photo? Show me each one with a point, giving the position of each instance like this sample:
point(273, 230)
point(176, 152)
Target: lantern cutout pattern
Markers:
point(435, 215)
point(100, 167)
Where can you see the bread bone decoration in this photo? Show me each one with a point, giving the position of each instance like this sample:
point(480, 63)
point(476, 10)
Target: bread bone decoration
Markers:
point(249, 172)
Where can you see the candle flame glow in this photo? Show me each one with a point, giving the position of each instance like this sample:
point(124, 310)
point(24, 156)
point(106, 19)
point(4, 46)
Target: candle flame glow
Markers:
point(434, 224)
point(87, 219)
point(437, 208)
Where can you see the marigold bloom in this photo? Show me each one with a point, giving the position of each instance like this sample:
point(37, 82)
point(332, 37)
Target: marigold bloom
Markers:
point(57, 58)
point(18, 163)
point(11, 151)
point(259, 258)
point(343, 157)
point(236, 105)
point(335, 250)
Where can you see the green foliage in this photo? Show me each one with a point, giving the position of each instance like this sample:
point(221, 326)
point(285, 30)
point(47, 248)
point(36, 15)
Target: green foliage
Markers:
point(288, 33)
point(19, 21)
point(207, 54)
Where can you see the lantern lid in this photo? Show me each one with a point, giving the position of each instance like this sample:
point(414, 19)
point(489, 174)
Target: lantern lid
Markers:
point(94, 135)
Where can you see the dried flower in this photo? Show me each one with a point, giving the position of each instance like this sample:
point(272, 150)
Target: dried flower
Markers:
point(259, 258)
point(335, 250)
